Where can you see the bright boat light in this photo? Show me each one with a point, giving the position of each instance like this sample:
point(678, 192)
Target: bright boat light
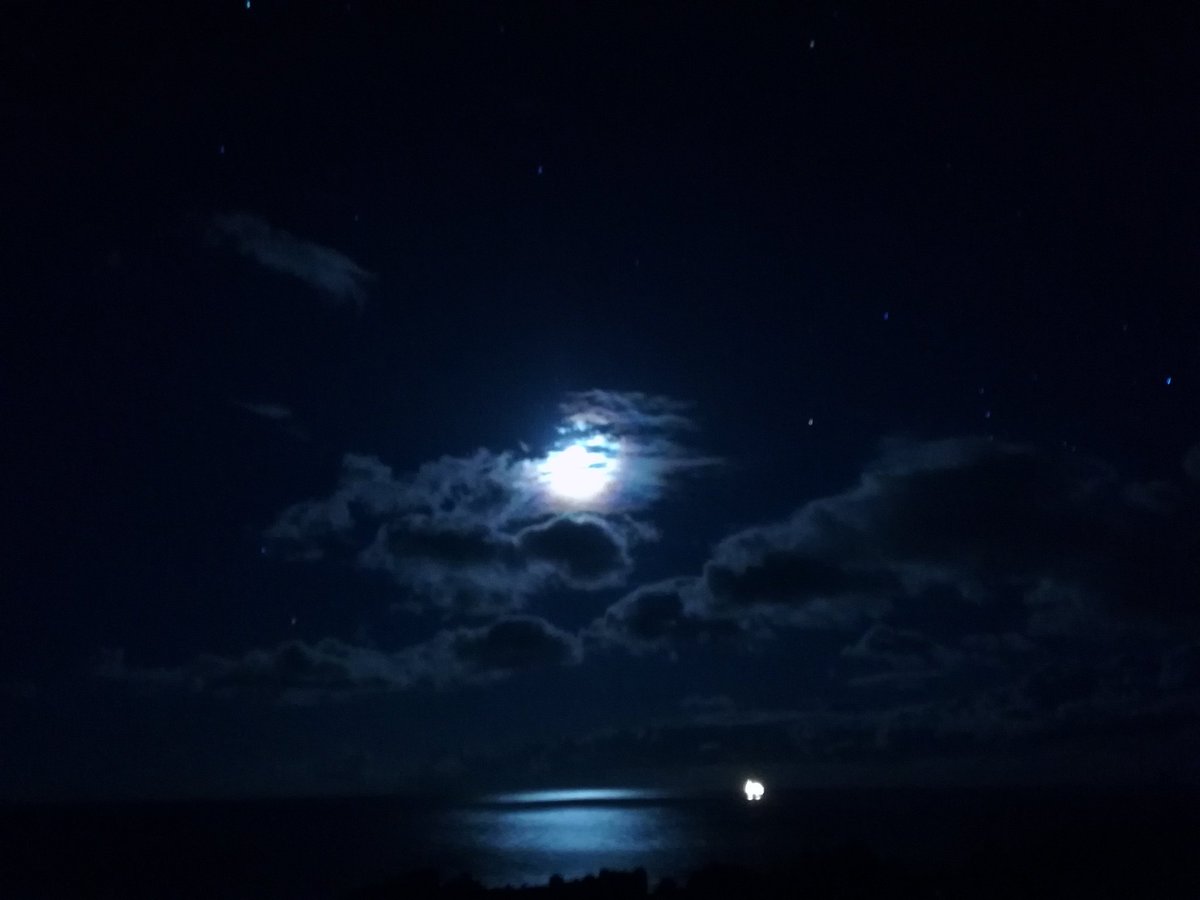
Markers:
point(753, 789)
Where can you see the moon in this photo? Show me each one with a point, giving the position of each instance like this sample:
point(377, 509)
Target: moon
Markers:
point(581, 471)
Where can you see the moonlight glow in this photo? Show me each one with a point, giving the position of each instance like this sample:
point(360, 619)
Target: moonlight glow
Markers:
point(582, 470)
point(753, 789)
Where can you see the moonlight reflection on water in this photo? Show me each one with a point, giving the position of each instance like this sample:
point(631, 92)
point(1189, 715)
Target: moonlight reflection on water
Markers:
point(570, 832)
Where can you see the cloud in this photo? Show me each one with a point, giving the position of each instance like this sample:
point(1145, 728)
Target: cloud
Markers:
point(885, 647)
point(627, 412)
point(328, 667)
point(662, 615)
point(647, 428)
point(585, 551)
point(815, 592)
point(997, 526)
point(963, 597)
point(1191, 463)
point(991, 521)
point(1180, 668)
point(480, 533)
point(277, 414)
point(321, 268)
point(273, 411)
point(22, 689)
point(301, 672)
point(445, 533)
point(708, 703)
point(965, 512)
point(510, 645)
point(477, 569)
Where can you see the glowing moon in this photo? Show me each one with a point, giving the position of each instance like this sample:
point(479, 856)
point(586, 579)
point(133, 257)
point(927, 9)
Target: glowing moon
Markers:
point(580, 471)
point(753, 789)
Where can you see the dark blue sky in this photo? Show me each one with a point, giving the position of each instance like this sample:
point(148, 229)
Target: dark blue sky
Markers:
point(893, 312)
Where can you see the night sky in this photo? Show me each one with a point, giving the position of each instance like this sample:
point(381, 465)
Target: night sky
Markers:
point(405, 397)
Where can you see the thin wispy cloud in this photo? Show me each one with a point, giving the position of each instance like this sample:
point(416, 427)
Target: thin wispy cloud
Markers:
point(322, 268)
point(273, 411)
point(278, 415)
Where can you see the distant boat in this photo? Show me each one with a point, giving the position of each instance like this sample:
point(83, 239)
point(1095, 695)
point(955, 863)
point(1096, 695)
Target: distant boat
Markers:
point(754, 790)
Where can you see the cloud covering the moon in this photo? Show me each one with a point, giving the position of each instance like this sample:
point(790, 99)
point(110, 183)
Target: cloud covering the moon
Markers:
point(482, 533)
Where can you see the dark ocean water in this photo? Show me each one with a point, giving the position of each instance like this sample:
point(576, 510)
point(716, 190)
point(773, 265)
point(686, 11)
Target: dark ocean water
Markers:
point(328, 847)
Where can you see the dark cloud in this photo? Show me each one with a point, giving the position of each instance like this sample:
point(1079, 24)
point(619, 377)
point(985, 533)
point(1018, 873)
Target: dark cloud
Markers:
point(740, 577)
point(322, 268)
point(437, 532)
point(660, 615)
point(453, 547)
point(1180, 668)
point(886, 647)
point(294, 670)
point(298, 672)
point(513, 644)
point(461, 492)
point(888, 658)
point(579, 551)
point(1055, 683)
point(1191, 463)
point(967, 512)
point(478, 569)
point(328, 666)
point(23, 689)
point(586, 550)
point(111, 665)
point(989, 523)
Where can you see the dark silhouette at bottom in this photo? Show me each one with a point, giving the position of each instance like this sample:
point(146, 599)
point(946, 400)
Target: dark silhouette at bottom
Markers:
point(1056, 871)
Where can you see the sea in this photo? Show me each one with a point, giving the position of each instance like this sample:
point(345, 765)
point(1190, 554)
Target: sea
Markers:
point(329, 848)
